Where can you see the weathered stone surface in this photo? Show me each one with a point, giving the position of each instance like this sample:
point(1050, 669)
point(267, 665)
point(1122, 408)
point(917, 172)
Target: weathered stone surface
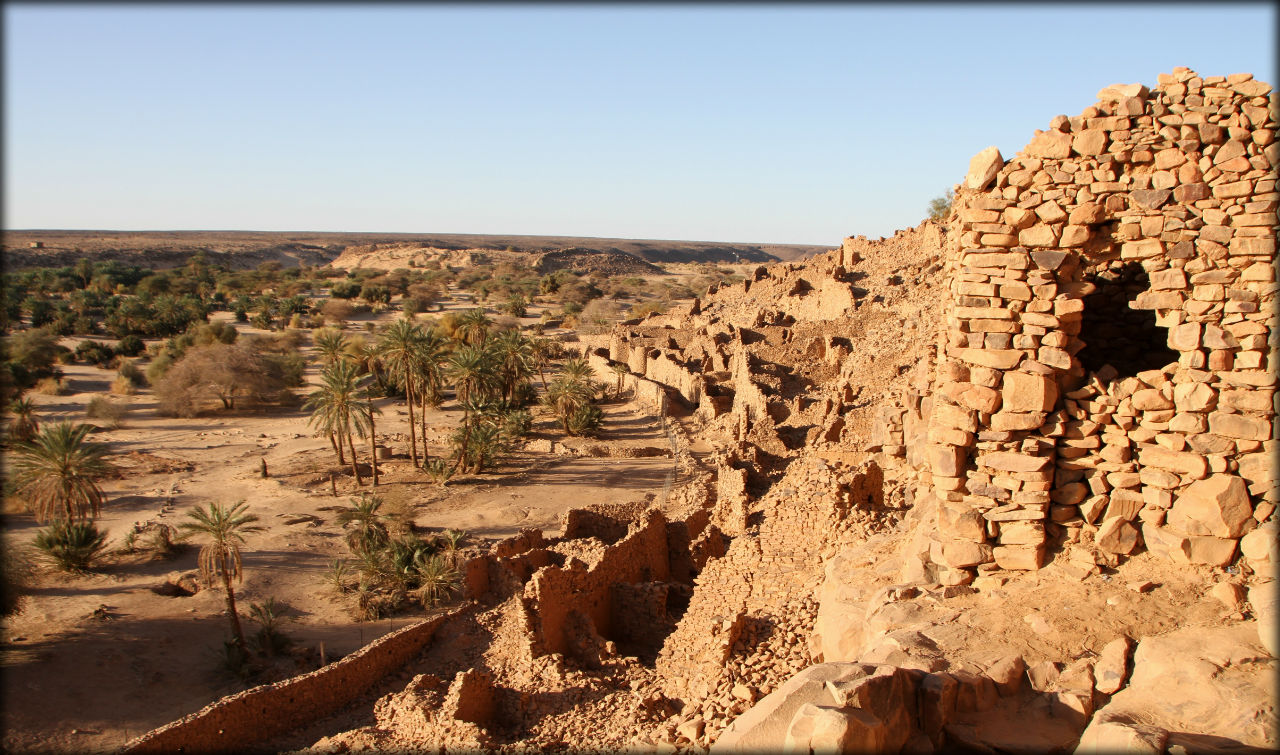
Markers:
point(1239, 426)
point(1266, 608)
point(1217, 506)
point(1019, 557)
point(983, 168)
point(1024, 392)
point(1106, 737)
point(1051, 144)
point(1174, 461)
point(1090, 142)
point(1008, 461)
point(765, 725)
point(1116, 536)
point(1150, 199)
point(1112, 669)
point(1007, 674)
point(827, 729)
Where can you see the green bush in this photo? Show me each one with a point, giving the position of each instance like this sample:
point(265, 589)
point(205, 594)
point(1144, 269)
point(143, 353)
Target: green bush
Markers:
point(71, 546)
point(130, 346)
point(940, 207)
point(93, 352)
point(585, 420)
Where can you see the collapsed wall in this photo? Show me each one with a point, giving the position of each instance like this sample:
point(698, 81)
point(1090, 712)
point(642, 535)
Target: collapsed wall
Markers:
point(1107, 367)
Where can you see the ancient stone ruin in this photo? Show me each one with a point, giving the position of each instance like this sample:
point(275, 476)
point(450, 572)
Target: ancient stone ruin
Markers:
point(1006, 483)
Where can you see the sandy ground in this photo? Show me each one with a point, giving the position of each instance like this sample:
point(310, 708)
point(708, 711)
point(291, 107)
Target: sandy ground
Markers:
point(97, 659)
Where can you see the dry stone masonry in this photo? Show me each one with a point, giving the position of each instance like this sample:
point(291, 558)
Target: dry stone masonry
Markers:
point(1108, 365)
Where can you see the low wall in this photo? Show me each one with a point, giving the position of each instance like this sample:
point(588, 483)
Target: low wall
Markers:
point(555, 592)
point(237, 722)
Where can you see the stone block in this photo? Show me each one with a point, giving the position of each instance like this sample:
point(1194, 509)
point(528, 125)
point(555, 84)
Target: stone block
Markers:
point(983, 168)
point(1239, 426)
point(1025, 392)
point(1021, 557)
point(1217, 506)
point(1181, 462)
point(1054, 145)
point(1011, 461)
point(1116, 536)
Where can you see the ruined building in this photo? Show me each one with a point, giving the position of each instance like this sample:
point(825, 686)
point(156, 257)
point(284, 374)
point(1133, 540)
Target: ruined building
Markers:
point(1018, 466)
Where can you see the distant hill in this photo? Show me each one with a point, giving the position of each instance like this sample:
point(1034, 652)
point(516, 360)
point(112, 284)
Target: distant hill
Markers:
point(248, 249)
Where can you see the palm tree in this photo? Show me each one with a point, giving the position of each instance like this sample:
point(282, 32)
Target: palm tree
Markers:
point(400, 351)
point(24, 426)
point(542, 350)
point(220, 556)
point(565, 396)
point(340, 407)
point(57, 473)
point(368, 356)
point(475, 326)
point(370, 531)
point(331, 344)
point(514, 356)
point(620, 370)
point(432, 353)
point(471, 369)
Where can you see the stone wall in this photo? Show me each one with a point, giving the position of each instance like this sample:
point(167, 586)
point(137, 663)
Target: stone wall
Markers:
point(237, 722)
point(555, 594)
point(1106, 371)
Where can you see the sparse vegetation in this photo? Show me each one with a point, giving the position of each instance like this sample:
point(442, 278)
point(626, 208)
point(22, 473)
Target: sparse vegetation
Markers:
point(71, 546)
point(58, 472)
point(223, 529)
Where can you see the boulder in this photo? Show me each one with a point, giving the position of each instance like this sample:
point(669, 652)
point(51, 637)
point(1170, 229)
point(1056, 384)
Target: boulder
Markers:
point(765, 725)
point(1217, 506)
point(983, 168)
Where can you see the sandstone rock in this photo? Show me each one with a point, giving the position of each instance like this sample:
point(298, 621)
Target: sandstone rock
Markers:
point(823, 729)
point(765, 725)
point(1050, 144)
point(1106, 737)
point(1116, 536)
point(1117, 92)
point(1007, 674)
point(1266, 607)
point(1020, 557)
point(1024, 392)
point(1217, 506)
point(1007, 461)
point(1229, 594)
point(1112, 669)
point(983, 168)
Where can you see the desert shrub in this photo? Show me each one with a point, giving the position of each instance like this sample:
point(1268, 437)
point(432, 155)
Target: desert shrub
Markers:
point(338, 574)
point(516, 424)
point(159, 367)
point(50, 386)
point(71, 546)
point(32, 354)
point(219, 372)
point(653, 307)
point(347, 289)
point(92, 352)
point(585, 420)
point(375, 292)
point(263, 320)
point(130, 371)
point(123, 386)
point(940, 207)
point(516, 306)
point(438, 471)
point(105, 412)
point(268, 615)
point(337, 311)
point(130, 346)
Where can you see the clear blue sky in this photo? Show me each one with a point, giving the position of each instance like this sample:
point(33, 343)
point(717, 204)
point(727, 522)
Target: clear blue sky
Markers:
point(721, 122)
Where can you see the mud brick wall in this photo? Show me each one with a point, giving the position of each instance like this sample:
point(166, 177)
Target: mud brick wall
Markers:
point(556, 592)
point(1108, 359)
point(237, 722)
